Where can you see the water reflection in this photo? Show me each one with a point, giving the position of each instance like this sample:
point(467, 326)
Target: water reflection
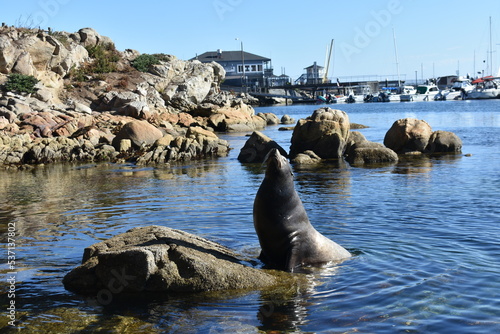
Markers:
point(288, 308)
point(422, 163)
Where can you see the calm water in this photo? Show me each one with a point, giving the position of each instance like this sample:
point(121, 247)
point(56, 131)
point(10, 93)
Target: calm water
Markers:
point(425, 232)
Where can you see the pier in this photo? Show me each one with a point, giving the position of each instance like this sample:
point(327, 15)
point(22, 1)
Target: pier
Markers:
point(313, 90)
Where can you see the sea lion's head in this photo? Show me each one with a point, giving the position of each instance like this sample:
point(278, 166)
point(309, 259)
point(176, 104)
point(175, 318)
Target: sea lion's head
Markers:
point(277, 165)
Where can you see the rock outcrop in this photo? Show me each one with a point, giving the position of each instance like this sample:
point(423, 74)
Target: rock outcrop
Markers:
point(160, 259)
point(325, 133)
point(33, 52)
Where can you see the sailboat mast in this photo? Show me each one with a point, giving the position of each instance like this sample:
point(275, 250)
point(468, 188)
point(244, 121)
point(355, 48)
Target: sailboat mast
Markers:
point(491, 52)
point(396, 52)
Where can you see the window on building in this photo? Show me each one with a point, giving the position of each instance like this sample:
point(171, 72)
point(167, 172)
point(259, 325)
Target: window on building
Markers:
point(250, 68)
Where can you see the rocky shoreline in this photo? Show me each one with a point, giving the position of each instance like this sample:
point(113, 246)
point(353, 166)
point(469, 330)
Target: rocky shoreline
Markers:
point(79, 111)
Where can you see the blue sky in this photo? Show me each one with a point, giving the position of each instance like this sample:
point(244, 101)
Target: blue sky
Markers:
point(432, 37)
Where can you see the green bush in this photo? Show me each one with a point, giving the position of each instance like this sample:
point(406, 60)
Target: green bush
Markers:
point(21, 83)
point(105, 59)
point(142, 62)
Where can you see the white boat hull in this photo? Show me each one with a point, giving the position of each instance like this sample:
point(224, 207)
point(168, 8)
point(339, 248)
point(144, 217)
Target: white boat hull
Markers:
point(417, 97)
point(449, 96)
point(486, 93)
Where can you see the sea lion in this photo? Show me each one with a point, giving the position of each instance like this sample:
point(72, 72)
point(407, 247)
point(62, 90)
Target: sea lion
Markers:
point(286, 236)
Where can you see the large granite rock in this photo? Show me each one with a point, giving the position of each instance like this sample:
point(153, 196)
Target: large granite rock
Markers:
point(270, 118)
point(156, 258)
point(325, 133)
point(139, 132)
point(408, 135)
point(188, 81)
point(236, 117)
point(257, 147)
point(90, 37)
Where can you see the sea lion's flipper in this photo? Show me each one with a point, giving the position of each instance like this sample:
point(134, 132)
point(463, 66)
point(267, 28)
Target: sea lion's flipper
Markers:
point(293, 259)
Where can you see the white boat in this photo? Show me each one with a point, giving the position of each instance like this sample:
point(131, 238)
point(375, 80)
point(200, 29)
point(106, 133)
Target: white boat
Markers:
point(407, 94)
point(355, 99)
point(383, 96)
point(357, 94)
point(425, 92)
point(485, 88)
point(459, 90)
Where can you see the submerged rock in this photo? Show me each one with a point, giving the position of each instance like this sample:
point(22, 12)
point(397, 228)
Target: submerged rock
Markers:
point(270, 118)
point(156, 258)
point(307, 158)
point(360, 151)
point(286, 119)
point(444, 142)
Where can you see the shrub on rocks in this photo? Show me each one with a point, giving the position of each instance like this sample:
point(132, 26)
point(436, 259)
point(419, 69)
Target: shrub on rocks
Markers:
point(144, 61)
point(21, 83)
